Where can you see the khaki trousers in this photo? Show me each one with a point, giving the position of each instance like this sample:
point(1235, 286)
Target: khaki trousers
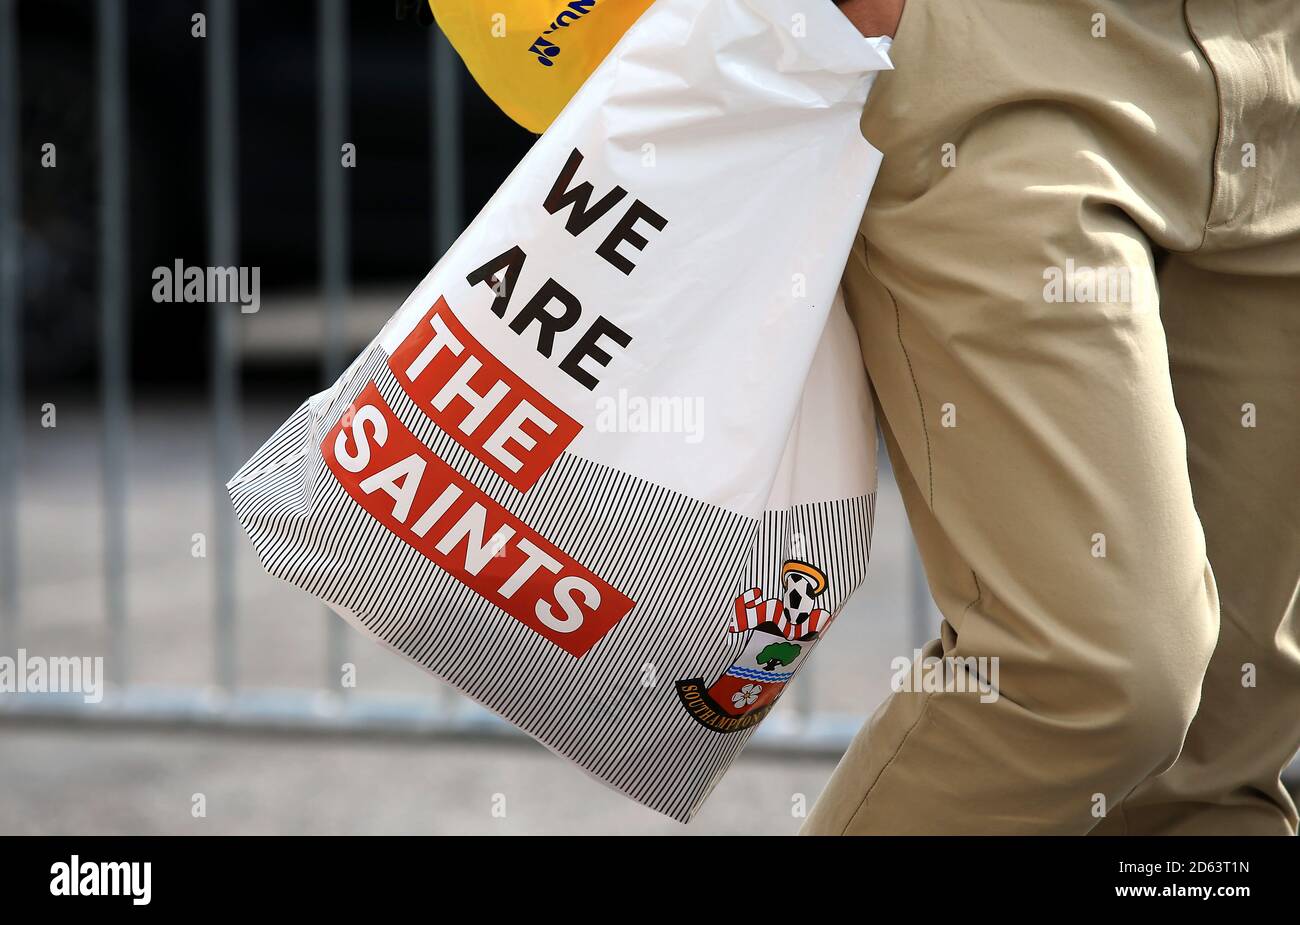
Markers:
point(1077, 289)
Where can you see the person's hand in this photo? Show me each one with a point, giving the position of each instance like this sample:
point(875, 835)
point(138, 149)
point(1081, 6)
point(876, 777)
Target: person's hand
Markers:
point(873, 17)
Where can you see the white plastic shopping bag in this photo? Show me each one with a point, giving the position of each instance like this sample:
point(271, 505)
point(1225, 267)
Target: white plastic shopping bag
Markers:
point(610, 469)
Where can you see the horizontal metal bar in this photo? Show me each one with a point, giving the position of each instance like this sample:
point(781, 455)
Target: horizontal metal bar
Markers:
point(308, 715)
point(316, 714)
point(252, 711)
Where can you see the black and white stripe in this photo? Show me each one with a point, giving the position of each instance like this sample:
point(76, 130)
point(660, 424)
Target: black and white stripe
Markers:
point(682, 560)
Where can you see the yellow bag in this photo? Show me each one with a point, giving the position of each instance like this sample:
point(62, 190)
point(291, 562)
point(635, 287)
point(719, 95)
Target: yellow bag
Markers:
point(530, 56)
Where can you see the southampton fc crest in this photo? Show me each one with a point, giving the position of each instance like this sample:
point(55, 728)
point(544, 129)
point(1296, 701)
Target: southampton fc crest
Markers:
point(781, 632)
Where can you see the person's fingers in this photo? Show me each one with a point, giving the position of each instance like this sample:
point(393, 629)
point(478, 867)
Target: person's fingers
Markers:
point(415, 10)
point(873, 17)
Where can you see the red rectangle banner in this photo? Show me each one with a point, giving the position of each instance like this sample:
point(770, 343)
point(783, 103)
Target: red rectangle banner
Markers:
point(480, 402)
point(435, 509)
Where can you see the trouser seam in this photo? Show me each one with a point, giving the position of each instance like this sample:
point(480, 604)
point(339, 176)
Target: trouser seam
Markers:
point(892, 758)
point(919, 716)
point(916, 389)
point(929, 463)
point(1216, 191)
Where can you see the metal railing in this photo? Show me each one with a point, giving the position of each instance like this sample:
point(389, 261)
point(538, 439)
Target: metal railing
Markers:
point(11, 381)
point(228, 705)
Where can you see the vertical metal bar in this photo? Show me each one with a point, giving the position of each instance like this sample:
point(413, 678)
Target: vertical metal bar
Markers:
point(114, 323)
point(11, 424)
point(223, 248)
point(335, 241)
point(446, 143)
point(805, 703)
point(922, 605)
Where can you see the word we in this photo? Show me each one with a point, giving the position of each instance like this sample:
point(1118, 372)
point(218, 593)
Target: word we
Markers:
point(567, 310)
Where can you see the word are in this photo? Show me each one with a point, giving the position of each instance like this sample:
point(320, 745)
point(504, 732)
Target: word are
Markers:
point(553, 308)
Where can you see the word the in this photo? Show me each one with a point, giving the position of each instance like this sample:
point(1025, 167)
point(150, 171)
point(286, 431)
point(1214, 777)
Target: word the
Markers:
point(479, 401)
